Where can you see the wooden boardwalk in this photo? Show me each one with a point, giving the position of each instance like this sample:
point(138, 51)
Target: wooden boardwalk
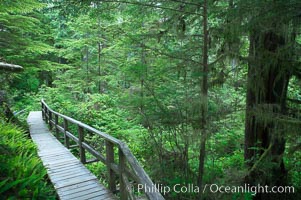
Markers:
point(71, 179)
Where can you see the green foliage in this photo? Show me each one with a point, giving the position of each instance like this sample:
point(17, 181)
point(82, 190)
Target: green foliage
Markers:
point(100, 111)
point(24, 6)
point(134, 71)
point(22, 172)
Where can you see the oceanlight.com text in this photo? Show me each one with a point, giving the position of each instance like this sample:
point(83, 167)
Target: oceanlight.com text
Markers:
point(215, 188)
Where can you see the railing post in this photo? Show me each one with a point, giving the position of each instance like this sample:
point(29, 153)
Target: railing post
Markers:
point(66, 138)
point(123, 193)
point(43, 111)
point(80, 143)
point(50, 119)
point(46, 115)
point(56, 122)
point(109, 160)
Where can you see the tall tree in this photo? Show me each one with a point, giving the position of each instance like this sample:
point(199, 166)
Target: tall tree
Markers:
point(271, 64)
point(204, 96)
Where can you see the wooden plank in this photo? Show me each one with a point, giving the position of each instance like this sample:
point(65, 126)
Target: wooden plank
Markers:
point(61, 162)
point(99, 195)
point(73, 181)
point(66, 167)
point(66, 172)
point(50, 160)
point(62, 168)
point(69, 188)
point(51, 148)
point(102, 197)
point(53, 159)
point(57, 155)
point(59, 165)
point(85, 193)
point(57, 178)
point(57, 152)
point(69, 177)
point(80, 189)
point(71, 173)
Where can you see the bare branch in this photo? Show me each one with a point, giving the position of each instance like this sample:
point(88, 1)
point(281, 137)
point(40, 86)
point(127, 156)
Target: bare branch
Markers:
point(10, 67)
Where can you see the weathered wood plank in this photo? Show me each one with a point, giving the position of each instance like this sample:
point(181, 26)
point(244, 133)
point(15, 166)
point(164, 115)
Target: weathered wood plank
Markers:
point(55, 156)
point(86, 193)
point(68, 189)
point(73, 181)
point(69, 176)
point(52, 155)
point(66, 172)
point(61, 162)
point(57, 178)
point(64, 168)
point(99, 194)
point(80, 189)
point(103, 197)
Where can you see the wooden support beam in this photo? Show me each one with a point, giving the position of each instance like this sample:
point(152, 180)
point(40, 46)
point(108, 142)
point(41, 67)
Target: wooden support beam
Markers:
point(109, 161)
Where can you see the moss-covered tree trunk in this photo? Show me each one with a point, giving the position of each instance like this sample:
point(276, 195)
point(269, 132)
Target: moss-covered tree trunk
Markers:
point(268, 77)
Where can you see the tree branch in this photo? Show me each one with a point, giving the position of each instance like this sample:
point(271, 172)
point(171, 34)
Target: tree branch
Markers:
point(10, 67)
point(150, 5)
point(186, 2)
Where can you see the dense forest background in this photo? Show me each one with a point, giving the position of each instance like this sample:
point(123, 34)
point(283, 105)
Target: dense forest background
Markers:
point(202, 91)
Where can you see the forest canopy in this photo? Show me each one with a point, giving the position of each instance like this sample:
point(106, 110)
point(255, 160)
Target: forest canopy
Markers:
point(203, 92)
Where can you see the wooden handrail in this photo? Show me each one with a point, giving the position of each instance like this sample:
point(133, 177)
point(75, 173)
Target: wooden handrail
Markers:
point(134, 172)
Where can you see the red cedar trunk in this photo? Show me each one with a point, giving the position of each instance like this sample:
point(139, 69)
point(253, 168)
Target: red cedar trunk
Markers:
point(267, 85)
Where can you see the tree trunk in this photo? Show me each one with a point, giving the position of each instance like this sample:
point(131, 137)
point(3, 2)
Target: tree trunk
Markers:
point(87, 70)
point(5, 109)
point(99, 68)
point(204, 100)
point(266, 94)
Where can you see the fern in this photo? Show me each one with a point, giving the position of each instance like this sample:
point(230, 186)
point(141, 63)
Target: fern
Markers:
point(22, 173)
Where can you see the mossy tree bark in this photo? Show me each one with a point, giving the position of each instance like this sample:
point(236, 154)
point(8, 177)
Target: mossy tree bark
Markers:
point(268, 77)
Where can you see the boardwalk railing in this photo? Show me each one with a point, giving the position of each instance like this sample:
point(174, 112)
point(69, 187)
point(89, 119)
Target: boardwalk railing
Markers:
point(127, 171)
